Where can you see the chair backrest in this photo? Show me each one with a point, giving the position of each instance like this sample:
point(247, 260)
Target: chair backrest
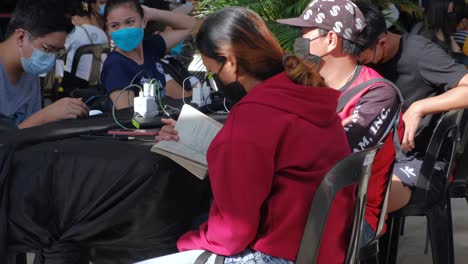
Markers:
point(6, 154)
point(458, 187)
point(353, 169)
point(96, 50)
point(446, 131)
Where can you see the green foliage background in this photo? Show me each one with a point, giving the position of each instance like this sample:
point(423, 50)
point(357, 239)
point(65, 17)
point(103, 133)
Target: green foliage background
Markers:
point(271, 10)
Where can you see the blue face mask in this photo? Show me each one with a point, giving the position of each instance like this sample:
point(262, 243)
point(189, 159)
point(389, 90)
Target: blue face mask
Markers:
point(127, 39)
point(40, 62)
point(177, 49)
point(101, 9)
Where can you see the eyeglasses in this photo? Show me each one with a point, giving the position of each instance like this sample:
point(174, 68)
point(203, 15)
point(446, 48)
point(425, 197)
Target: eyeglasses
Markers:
point(57, 51)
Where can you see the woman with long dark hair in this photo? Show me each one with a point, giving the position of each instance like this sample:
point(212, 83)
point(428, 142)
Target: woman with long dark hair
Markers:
point(277, 144)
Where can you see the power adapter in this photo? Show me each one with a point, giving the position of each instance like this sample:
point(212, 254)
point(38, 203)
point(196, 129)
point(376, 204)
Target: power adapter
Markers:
point(145, 104)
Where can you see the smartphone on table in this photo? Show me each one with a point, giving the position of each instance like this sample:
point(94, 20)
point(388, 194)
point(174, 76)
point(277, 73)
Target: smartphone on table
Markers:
point(134, 132)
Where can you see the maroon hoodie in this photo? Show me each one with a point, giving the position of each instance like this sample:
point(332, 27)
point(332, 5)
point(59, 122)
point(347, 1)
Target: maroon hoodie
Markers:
point(265, 165)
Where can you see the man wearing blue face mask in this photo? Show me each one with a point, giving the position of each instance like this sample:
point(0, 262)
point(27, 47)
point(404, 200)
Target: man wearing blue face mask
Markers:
point(35, 36)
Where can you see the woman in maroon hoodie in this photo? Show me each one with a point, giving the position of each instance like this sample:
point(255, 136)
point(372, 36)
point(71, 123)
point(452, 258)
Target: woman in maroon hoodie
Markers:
point(278, 142)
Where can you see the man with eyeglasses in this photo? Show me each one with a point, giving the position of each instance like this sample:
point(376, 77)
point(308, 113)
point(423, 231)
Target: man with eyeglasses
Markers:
point(35, 36)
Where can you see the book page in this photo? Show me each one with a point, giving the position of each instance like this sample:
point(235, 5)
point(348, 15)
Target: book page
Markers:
point(196, 130)
point(182, 150)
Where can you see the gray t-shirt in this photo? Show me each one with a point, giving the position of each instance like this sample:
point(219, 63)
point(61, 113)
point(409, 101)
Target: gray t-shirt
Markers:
point(21, 100)
point(421, 69)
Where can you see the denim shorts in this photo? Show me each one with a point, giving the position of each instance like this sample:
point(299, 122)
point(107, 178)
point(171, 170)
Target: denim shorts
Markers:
point(367, 234)
point(250, 256)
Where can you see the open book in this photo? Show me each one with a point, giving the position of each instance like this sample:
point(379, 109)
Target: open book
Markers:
point(196, 131)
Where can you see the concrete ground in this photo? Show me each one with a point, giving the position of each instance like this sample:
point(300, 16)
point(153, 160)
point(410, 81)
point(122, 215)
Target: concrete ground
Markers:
point(411, 248)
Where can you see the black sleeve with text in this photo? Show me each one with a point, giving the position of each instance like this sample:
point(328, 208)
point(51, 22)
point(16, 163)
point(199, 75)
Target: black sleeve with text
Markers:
point(372, 117)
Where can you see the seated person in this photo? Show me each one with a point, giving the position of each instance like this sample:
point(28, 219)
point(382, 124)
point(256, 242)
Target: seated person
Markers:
point(430, 82)
point(136, 61)
point(97, 13)
point(263, 174)
point(369, 115)
point(84, 34)
point(174, 70)
point(35, 36)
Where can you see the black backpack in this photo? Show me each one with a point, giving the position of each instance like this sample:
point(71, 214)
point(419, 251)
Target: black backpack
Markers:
point(177, 71)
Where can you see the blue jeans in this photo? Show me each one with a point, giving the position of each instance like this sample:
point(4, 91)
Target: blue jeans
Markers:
point(248, 256)
point(366, 235)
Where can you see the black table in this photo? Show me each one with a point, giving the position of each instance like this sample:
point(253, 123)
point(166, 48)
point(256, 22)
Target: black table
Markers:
point(71, 198)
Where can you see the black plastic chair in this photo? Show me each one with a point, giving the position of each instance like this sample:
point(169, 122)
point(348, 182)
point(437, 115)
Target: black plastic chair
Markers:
point(370, 252)
point(354, 169)
point(458, 186)
point(97, 50)
point(424, 201)
point(94, 84)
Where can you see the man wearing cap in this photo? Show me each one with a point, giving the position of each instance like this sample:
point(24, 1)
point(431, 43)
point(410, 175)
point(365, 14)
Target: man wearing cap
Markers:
point(331, 38)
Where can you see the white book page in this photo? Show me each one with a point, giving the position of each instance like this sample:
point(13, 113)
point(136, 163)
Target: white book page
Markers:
point(196, 130)
point(182, 150)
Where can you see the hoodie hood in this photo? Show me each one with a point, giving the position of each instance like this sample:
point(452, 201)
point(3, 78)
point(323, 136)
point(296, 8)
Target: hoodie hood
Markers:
point(314, 104)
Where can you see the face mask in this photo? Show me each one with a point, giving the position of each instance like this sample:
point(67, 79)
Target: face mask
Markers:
point(233, 91)
point(301, 49)
point(40, 62)
point(373, 64)
point(127, 39)
point(101, 9)
point(177, 49)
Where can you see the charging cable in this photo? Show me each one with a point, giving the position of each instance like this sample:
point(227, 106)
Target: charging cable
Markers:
point(183, 88)
point(117, 99)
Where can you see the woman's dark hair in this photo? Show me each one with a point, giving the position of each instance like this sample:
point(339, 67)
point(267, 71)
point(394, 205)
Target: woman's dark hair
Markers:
point(302, 72)
point(244, 33)
point(375, 24)
point(80, 8)
point(438, 18)
point(113, 4)
point(39, 17)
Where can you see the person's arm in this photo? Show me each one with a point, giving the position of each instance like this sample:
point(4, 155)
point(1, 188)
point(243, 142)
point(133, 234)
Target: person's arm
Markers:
point(116, 76)
point(372, 117)
point(181, 24)
point(454, 98)
point(125, 98)
point(65, 108)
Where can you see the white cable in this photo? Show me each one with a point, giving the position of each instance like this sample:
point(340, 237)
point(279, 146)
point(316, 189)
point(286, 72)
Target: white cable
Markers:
point(225, 107)
point(158, 86)
point(173, 108)
point(117, 99)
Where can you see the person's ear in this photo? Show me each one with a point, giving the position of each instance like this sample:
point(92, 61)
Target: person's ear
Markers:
point(20, 36)
point(231, 64)
point(382, 41)
point(332, 40)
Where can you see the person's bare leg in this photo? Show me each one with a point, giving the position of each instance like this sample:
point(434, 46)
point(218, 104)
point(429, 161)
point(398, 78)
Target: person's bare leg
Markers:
point(399, 195)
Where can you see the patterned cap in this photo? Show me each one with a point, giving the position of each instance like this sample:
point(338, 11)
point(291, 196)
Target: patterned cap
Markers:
point(341, 16)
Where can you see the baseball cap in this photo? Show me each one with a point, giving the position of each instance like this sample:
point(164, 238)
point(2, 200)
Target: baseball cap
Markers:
point(341, 16)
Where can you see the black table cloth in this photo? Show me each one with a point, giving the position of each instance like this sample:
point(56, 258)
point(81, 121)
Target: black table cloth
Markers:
point(75, 199)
